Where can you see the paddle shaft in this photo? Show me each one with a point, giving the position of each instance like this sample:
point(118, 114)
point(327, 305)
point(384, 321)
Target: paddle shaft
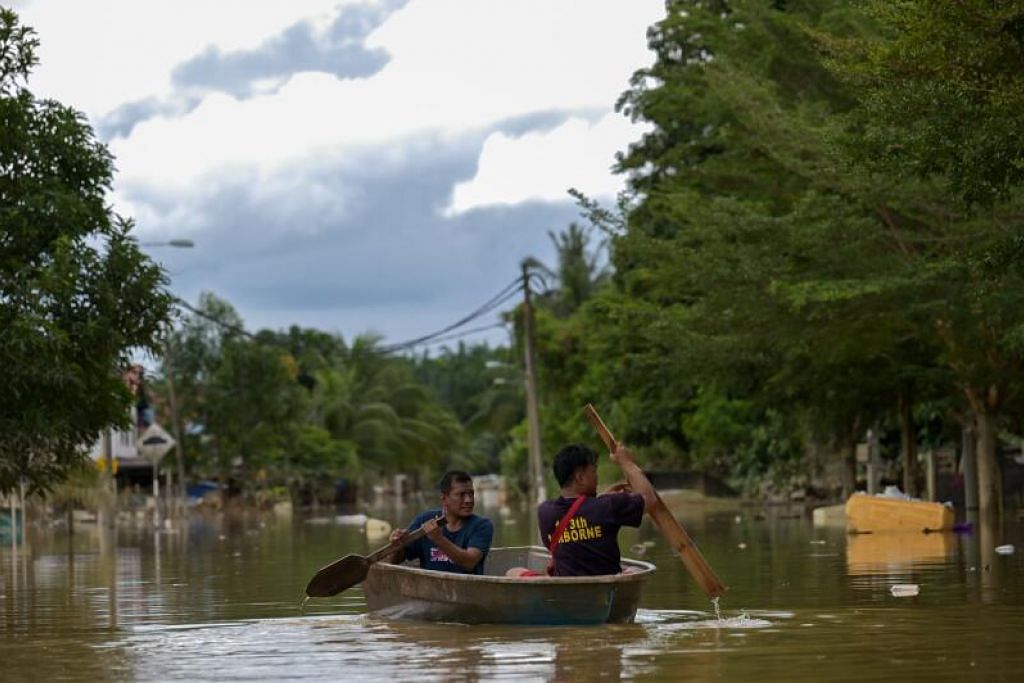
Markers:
point(669, 526)
point(347, 571)
point(382, 552)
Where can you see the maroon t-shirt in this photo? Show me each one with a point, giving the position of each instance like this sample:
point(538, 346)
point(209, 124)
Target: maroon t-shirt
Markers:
point(590, 544)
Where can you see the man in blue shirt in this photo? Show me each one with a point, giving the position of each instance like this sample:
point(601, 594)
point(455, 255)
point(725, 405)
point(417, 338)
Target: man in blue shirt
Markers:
point(460, 542)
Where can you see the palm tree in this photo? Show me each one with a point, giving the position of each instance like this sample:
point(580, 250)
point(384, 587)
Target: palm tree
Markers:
point(579, 272)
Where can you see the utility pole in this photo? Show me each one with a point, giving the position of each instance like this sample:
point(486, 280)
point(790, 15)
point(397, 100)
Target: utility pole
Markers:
point(156, 495)
point(108, 474)
point(175, 424)
point(532, 413)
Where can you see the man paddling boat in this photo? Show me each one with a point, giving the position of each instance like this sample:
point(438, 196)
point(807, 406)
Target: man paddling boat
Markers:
point(457, 544)
point(586, 525)
point(588, 544)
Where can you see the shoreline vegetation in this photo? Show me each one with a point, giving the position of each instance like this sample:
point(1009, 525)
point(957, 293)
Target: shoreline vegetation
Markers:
point(813, 284)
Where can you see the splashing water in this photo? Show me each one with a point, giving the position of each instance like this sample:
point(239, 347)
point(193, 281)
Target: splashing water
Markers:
point(302, 605)
point(718, 611)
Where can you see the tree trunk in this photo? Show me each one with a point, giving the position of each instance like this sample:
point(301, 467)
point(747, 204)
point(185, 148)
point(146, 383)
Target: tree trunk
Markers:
point(969, 466)
point(984, 404)
point(990, 480)
point(908, 444)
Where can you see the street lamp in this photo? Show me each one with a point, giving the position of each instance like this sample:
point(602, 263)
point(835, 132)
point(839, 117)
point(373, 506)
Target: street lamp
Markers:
point(168, 364)
point(181, 244)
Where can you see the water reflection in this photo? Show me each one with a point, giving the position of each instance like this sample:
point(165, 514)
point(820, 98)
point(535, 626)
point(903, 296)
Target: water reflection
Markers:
point(218, 599)
point(364, 648)
point(897, 552)
point(991, 567)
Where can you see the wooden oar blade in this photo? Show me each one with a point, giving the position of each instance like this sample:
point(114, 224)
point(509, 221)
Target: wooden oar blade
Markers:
point(338, 576)
point(687, 550)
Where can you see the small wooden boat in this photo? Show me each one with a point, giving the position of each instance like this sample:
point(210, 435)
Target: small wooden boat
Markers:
point(868, 514)
point(408, 592)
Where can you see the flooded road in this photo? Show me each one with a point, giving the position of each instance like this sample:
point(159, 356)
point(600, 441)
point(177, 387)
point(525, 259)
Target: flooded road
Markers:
point(219, 600)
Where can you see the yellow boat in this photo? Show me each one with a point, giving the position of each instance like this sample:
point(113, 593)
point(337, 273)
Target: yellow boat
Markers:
point(868, 514)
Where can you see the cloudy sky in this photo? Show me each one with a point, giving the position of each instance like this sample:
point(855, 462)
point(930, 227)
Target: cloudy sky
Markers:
point(349, 165)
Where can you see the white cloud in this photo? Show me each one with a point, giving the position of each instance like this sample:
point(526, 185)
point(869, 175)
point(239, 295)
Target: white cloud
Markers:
point(97, 54)
point(542, 166)
point(457, 66)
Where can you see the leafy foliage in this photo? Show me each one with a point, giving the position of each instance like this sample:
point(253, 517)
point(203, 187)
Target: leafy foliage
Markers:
point(300, 408)
point(76, 294)
point(930, 68)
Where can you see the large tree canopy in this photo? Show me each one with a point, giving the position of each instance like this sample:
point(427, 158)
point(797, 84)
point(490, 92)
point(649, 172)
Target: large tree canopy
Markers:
point(76, 294)
point(797, 241)
point(941, 89)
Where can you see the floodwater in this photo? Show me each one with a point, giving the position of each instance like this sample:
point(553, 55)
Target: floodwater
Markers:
point(218, 599)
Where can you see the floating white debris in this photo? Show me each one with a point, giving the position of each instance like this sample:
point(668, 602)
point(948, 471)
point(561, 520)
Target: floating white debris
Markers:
point(1005, 549)
point(351, 520)
point(905, 590)
point(318, 521)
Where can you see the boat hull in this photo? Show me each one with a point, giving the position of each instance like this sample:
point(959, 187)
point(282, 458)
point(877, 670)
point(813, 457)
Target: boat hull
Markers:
point(407, 592)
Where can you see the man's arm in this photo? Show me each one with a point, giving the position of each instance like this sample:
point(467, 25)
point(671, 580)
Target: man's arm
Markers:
point(467, 558)
point(396, 537)
point(618, 487)
point(624, 459)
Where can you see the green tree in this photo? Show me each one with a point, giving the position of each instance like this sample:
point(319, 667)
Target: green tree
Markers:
point(928, 69)
point(76, 294)
point(579, 273)
point(300, 408)
point(940, 89)
point(483, 387)
point(756, 276)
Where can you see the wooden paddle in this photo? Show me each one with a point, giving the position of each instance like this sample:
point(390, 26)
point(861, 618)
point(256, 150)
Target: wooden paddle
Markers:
point(670, 528)
point(347, 571)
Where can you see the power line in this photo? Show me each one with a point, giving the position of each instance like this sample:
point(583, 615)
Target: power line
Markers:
point(214, 319)
point(465, 333)
point(506, 293)
point(501, 297)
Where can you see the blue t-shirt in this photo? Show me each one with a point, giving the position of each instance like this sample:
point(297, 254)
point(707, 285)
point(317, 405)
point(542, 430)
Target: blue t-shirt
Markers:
point(590, 544)
point(475, 532)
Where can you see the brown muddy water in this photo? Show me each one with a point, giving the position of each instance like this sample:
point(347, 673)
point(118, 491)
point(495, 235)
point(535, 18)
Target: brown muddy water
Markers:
point(218, 599)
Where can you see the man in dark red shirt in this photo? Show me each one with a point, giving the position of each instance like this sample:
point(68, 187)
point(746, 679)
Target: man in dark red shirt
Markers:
point(589, 544)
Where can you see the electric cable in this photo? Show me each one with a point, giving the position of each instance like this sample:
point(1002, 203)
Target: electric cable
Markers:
point(505, 294)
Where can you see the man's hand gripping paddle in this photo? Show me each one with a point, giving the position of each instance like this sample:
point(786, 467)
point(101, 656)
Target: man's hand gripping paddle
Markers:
point(670, 528)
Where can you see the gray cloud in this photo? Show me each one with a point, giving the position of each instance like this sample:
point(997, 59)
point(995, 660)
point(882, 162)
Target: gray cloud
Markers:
point(341, 51)
point(381, 259)
point(121, 121)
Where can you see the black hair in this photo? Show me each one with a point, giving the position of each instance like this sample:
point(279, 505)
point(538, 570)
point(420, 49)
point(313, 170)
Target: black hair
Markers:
point(571, 458)
point(453, 477)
